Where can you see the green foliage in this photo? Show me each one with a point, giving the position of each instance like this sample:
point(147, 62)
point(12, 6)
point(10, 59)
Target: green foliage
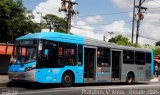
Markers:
point(157, 43)
point(156, 51)
point(13, 20)
point(58, 24)
point(120, 40)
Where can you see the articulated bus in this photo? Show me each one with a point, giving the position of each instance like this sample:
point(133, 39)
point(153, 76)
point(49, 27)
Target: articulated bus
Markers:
point(51, 57)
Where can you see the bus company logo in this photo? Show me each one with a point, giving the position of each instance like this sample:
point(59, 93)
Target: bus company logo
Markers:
point(55, 71)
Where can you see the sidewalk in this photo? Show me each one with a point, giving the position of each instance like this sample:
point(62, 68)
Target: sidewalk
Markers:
point(155, 79)
point(3, 80)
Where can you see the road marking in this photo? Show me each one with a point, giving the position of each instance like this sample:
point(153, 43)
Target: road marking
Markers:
point(89, 87)
point(112, 87)
point(35, 92)
point(3, 87)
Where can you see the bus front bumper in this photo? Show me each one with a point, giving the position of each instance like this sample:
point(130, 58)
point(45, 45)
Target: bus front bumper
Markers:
point(27, 76)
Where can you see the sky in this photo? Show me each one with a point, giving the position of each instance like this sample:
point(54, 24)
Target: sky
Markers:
point(97, 18)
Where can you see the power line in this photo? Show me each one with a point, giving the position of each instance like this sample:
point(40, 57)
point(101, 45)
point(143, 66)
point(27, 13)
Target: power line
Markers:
point(85, 28)
point(148, 38)
point(101, 24)
point(109, 13)
point(156, 2)
point(103, 30)
point(123, 12)
point(115, 13)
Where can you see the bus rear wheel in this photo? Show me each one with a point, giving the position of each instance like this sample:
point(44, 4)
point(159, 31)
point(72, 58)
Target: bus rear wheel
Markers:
point(130, 78)
point(67, 80)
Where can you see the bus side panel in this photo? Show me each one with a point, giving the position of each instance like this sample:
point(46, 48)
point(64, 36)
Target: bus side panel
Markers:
point(127, 68)
point(138, 71)
point(54, 75)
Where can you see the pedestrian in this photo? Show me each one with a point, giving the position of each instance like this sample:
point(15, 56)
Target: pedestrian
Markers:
point(156, 70)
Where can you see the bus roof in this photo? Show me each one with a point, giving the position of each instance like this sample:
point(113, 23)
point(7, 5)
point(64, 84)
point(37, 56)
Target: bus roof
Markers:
point(98, 43)
point(54, 36)
point(62, 37)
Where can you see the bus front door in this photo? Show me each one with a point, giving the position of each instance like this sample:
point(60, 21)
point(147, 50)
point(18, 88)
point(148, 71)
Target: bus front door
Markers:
point(116, 65)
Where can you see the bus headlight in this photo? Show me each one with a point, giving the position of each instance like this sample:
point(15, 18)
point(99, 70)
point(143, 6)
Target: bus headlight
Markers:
point(30, 68)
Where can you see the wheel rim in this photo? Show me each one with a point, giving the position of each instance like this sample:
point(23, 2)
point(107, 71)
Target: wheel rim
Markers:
point(67, 79)
point(130, 79)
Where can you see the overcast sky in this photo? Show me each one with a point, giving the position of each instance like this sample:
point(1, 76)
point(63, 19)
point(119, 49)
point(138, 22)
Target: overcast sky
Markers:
point(98, 17)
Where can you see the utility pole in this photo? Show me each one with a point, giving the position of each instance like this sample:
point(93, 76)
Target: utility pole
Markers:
point(140, 17)
point(133, 21)
point(104, 38)
point(69, 10)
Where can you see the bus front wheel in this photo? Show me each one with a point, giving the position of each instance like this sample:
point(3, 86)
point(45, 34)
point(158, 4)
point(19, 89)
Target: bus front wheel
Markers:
point(67, 80)
point(130, 78)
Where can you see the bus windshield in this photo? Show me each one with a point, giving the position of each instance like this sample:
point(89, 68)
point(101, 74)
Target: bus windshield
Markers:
point(26, 54)
point(25, 51)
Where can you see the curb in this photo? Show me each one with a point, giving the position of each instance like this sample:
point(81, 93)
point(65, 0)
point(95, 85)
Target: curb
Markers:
point(3, 84)
point(155, 80)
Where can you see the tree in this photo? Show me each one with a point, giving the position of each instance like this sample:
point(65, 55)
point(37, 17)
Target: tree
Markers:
point(14, 21)
point(156, 51)
point(157, 43)
point(57, 23)
point(120, 40)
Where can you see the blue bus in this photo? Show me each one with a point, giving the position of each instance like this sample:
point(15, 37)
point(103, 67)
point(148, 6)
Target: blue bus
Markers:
point(52, 57)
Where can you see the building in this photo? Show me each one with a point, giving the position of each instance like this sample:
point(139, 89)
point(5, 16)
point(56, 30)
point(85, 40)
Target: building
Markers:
point(6, 51)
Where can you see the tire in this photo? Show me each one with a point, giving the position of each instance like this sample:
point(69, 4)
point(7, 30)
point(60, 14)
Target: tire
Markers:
point(67, 80)
point(130, 79)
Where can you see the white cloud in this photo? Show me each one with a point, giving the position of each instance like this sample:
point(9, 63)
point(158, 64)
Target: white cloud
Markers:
point(52, 6)
point(48, 7)
point(118, 27)
point(85, 30)
point(87, 33)
point(94, 19)
point(81, 23)
point(150, 25)
point(124, 4)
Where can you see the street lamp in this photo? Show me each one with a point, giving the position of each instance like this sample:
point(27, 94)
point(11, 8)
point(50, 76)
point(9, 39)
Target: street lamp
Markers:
point(40, 20)
point(111, 33)
point(104, 37)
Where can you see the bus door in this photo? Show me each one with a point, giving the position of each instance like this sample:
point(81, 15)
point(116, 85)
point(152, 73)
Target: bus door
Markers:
point(89, 64)
point(116, 65)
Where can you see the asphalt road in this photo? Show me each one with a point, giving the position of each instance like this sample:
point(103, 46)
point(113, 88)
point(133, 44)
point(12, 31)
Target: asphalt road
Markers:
point(25, 88)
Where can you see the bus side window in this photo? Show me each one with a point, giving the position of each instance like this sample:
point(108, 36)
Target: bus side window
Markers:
point(128, 57)
point(148, 57)
point(67, 54)
point(103, 57)
point(140, 58)
point(80, 49)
